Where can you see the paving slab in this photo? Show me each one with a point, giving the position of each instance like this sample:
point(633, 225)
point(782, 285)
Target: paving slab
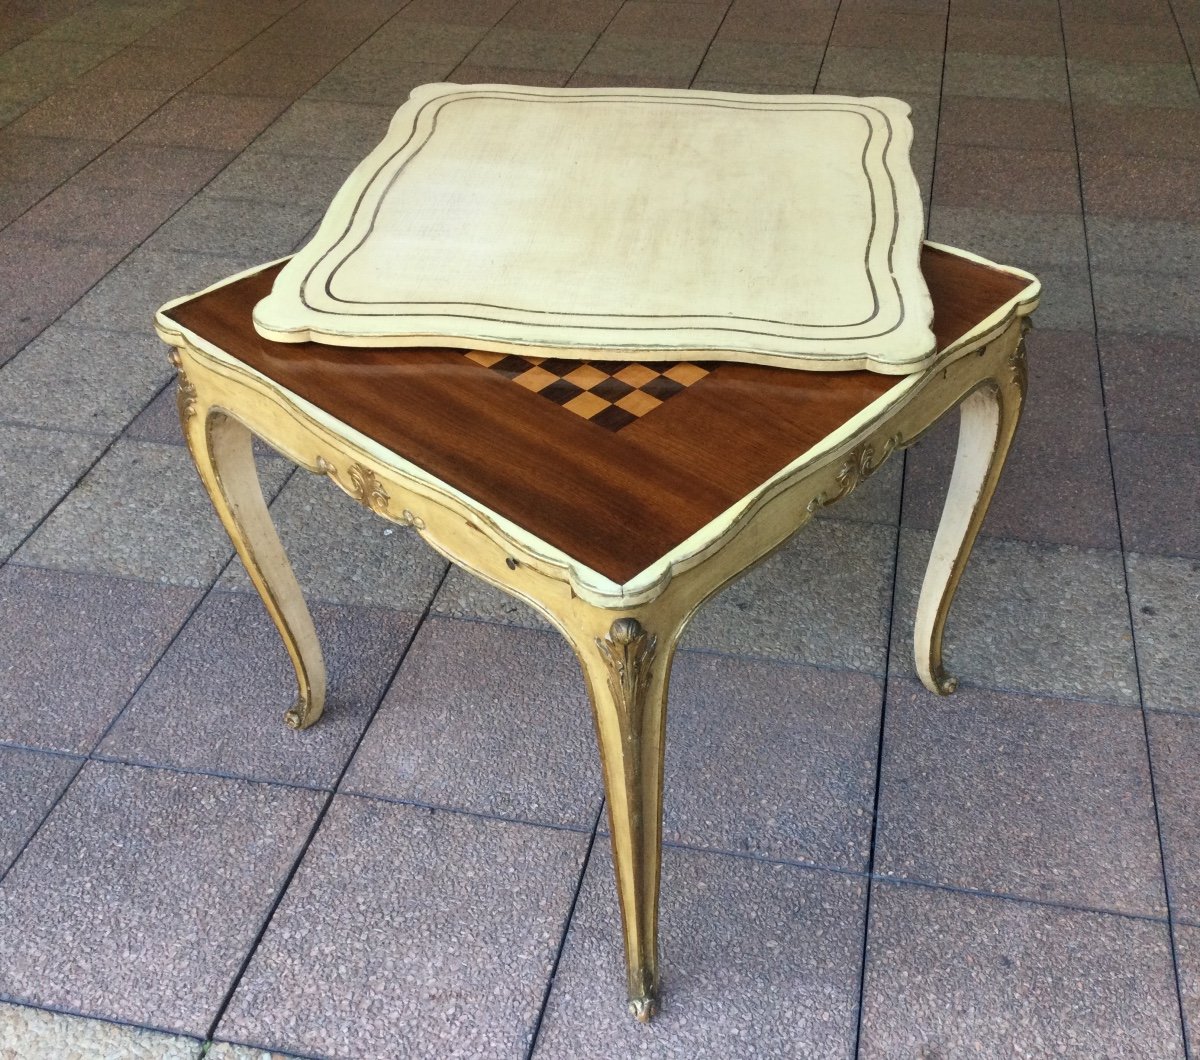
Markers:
point(916, 31)
point(40, 468)
point(469, 73)
point(757, 959)
point(1144, 84)
point(83, 379)
point(583, 16)
point(1153, 132)
point(207, 120)
point(531, 48)
point(48, 162)
point(301, 182)
point(153, 68)
point(253, 228)
point(1152, 43)
point(35, 1034)
point(166, 170)
point(995, 178)
point(408, 41)
point(963, 975)
point(41, 279)
point(1142, 187)
point(90, 111)
point(488, 719)
point(880, 71)
point(82, 212)
point(215, 701)
point(771, 760)
point(429, 932)
point(823, 598)
point(1027, 618)
point(367, 78)
point(1125, 244)
point(185, 869)
point(129, 296)
point(344, 553)
point(619, 56)
point(1158, 481)
point(462, 595)
point(1164, 596)
point(1041, 77)
point(1147, 303)
point(260, 68)
point(791, 67)
point(30, 782)
point(1134, 369)
point(1187, 955)
point(75, 648)
point(52, 62)
point(1038, 798)
point(1174, 744)
point(997, 34)
point(349, 130)
point(141, 512)
point(1009, 237)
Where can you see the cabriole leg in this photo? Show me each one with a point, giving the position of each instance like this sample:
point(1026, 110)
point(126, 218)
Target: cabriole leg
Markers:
point(627, 671)
point(221, 448)
point(988, 421)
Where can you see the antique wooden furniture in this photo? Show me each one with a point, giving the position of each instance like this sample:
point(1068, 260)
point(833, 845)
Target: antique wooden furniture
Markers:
point(593, 489)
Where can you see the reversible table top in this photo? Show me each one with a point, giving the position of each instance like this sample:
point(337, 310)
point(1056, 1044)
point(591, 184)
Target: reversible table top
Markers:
point(663, 224)
point(613, 463)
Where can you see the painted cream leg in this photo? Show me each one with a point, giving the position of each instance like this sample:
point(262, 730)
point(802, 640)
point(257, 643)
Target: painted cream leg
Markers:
point(627, 670)
point(988, 421)
point(221, 448)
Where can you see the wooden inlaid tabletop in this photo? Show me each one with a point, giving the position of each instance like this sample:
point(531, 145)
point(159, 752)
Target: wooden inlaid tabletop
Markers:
point(615, 492)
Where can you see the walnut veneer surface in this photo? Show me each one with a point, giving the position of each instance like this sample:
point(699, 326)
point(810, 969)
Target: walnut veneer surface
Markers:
point(614, 501)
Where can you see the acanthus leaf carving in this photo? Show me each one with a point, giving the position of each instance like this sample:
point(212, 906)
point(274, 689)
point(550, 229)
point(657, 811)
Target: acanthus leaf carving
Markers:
point(364, 486)
point(185, 396)
point(859, 466)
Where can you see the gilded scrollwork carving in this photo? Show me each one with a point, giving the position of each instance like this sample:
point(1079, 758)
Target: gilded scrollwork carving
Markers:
point(185, 396)
point(364, 486)
point(860, 465)
point(629, 652)
point(298, 716)
point(1018, 367)
point(368, 490)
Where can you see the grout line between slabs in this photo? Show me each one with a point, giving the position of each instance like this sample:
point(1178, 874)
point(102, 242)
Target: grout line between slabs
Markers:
point(318, 821)
point(60, 1010)
point(871, 875)
point(566, 929)
point(1183, 40)
point(1154, 795)
point(708, 46)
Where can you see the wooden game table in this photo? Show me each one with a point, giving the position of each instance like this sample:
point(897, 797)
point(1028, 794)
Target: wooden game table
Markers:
point(606, 349)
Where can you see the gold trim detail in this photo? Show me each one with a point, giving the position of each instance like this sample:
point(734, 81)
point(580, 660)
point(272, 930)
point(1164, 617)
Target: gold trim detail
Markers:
point(1018, 366)
point(860, 465)
point(368, 490)
point(185, 396)
point(628, 652)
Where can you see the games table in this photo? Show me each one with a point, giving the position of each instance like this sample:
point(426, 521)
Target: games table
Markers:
point(607, 381)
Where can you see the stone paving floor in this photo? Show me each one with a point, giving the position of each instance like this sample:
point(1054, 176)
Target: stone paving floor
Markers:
point(854, 867)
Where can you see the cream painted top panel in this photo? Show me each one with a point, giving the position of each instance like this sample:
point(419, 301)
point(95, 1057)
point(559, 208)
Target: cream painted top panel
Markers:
point(665, 224)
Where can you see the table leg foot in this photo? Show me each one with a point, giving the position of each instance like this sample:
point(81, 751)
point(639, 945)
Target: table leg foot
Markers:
point(988, 421)
point(643, 1008)
point(221, 449)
